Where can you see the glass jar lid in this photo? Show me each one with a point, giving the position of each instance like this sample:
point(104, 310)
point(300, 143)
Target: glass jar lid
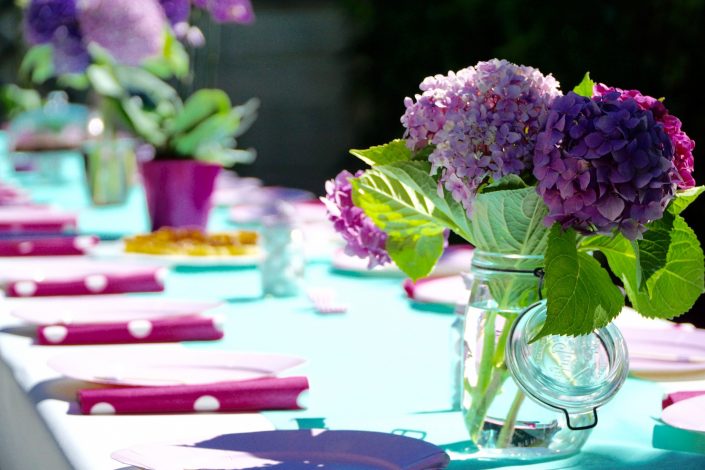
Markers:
point(573, 374)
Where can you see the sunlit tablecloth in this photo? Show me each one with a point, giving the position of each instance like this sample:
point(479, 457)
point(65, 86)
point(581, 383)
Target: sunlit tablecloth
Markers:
point(381, 366)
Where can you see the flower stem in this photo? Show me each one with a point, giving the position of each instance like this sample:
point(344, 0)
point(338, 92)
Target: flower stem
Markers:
point(505, 434)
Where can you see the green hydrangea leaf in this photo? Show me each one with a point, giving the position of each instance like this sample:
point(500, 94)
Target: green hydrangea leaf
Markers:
point(415, 238)
point(684, 198)
point(580, 294)
point(510, 221)
point(394, 151)
point(416, 176)
point(672, 263)
point(674, 287)
point(584, 88)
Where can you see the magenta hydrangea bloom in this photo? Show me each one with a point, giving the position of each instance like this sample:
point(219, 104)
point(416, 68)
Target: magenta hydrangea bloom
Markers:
point(603, 164)
point(683, 145)
point(362, 237)
point(482, 120)
point(130, 31)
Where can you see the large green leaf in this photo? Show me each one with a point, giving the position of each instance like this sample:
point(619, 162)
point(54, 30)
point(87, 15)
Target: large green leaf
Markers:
point(415, 238)
point(416, 175)
point(510, 221)
point(672, 262)
point(673, 288)
point(580, 294)
point(198, 108)
point(684, 198)
point(394, 151)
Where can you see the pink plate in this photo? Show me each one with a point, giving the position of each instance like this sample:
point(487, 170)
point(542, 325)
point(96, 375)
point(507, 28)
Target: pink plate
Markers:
point(687, 414)
point(672, 351)
point(148, 367)
point(447, 290)
point(42, 269)
point(299, 449)
point(102, 309)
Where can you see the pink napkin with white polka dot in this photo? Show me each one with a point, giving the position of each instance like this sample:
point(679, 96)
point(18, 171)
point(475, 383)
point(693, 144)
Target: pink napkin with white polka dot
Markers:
point(169, 329)
point(48, 246)
point(77, 275)
point(272, 393)
point(17, 219)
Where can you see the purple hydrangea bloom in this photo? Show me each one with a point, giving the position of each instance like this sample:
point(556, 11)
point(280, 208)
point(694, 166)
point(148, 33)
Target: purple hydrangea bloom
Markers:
point(683, 145)
point(362, 237)
point(55, 22)
point(228, 11)
point(603, 164)
point(130, 31)
point(43, 17)
point(176, 11)
point(482, 120)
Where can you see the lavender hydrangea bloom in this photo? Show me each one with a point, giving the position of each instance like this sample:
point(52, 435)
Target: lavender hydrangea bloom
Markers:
point(70, 53)
point(482, 120)
point(176, 11)
point(603, 164)
point(363, 238)
point(130, 31)
point(683, 145)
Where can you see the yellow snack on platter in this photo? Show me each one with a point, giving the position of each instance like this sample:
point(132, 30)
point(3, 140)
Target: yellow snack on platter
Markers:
point(193, 242)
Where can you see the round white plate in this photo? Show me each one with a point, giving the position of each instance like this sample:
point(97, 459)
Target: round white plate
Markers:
point(76, 310)
point(147, 367)
point(117, 250)
point(686, 414)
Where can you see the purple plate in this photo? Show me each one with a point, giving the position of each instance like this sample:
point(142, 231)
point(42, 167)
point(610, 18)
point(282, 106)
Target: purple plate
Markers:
point(300, 449)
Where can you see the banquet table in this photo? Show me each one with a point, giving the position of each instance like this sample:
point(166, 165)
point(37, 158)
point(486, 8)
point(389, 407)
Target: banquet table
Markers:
point(385, 365)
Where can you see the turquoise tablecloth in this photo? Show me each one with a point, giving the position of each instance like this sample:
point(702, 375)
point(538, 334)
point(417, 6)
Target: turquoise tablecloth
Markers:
point(384, 365)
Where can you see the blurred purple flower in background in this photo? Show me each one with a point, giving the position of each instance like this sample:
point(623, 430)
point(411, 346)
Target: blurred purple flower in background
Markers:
point(55, 22)
point(683, 145)
point(603, 164)
point(482, 120)
point(130, 31)
point(176, 11)
point(362, 237)
point(228, 11)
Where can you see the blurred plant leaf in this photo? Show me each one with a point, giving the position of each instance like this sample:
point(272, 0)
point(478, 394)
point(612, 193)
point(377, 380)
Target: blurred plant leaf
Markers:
point(215, 129)
point(198, 108)
point(37, 64)
point(173, 61)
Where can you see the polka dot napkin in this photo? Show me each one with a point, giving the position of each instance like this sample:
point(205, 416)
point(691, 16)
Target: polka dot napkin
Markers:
point(272, 393)
point(169, 329)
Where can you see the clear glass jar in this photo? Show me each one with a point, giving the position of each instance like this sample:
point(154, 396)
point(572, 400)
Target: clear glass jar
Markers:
point(110, 167)
point(509, 414)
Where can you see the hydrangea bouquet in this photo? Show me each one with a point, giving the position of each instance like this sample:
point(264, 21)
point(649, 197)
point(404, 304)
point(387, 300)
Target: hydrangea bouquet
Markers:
point(586, 182)
point(498, 155)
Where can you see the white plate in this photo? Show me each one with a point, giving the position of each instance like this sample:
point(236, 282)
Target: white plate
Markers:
point(117, 250)
point(102, 309)
point(294, 450)
point(137, 366)
point(686, 414)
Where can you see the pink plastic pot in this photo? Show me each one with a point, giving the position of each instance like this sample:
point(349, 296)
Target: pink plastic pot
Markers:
point(179, 192)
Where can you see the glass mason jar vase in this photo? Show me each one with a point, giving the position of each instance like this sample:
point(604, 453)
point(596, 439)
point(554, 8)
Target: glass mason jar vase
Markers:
point(525, 399)
point(110, 166)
